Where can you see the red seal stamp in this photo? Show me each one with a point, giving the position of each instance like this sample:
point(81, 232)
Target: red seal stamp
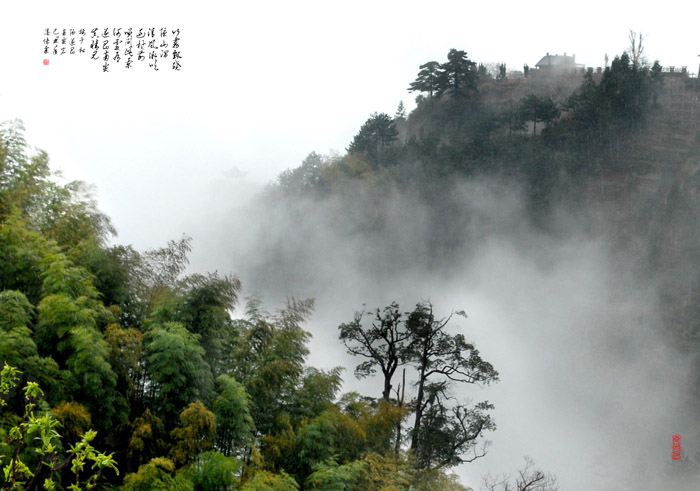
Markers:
point(676, 447)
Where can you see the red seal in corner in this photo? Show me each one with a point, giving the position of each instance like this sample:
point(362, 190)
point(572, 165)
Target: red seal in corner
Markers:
point(676, 447)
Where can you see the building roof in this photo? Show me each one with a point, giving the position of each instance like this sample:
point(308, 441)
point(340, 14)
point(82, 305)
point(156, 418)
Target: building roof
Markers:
point(558, 61)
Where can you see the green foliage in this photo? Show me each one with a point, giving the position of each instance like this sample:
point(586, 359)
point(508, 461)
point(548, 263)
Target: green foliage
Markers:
point(378, 420)
point(332, 434)
point(115, 331)
point(84, 453)
point(16, 345)
point(74, 418)
point(431, 479)
point(61, 277)
point(585, 105)
point(177, 369)
point(234, 423)
point(276, 449)
point(428, 79)
point(400, 112)
point(329, 476)
point(15, 310)
point(159, 268)
point(135, 282)
point(212, 471)
point(443, 432)
point(379, 472)
point(195, 434)
point(316, 393)
point(8, 380)
point(40, 427)
point(267, 481)
point(125, 348)
point(656, 82)
point(458, 76)
point(147, 282)
point(501, 72)
point(620, 104)
point(382, 423)
point(376, 135)
point(373, 471)
point(537, 109)
point(624, 91)
point(148, 438)
point(269, 357)
point(158, 474)
point(203, 309)
point(306, 178)
point(67, 329)
point(65, 213)
point(112, 270)
point(91, 377)
point(512, 117)
point(22, 253)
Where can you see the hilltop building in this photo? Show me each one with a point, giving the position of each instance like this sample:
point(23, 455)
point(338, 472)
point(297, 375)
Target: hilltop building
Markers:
point(557, 63)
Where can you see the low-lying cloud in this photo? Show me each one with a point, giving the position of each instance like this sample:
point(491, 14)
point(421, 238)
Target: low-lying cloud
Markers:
point(588, 388)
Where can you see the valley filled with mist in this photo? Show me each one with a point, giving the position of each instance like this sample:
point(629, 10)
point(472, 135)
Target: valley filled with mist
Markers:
point(500, 287)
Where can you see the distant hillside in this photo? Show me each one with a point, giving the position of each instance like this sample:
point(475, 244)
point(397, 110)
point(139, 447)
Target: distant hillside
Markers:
point(623, 142)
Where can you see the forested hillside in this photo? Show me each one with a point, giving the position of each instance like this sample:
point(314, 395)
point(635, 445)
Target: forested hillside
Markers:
point(107, 339)
point(553, 159)
point(609, 143)
point(121, 371)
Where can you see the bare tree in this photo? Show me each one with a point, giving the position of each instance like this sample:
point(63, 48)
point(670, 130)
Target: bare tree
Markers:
point(528, 479)
point(636, 49)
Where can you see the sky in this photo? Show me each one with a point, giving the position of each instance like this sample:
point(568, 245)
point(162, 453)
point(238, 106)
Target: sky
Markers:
point(264, 84)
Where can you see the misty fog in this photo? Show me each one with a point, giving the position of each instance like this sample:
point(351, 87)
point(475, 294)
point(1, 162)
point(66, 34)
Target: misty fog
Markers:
point(587, 387)
point(571, 304)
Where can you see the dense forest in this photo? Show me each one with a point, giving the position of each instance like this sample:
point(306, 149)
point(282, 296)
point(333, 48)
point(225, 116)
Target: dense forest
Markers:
point(121, 371)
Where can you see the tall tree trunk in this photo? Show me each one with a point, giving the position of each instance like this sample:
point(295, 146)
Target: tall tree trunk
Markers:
point(419, 403)
point(386, 394)
point(397, 446)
